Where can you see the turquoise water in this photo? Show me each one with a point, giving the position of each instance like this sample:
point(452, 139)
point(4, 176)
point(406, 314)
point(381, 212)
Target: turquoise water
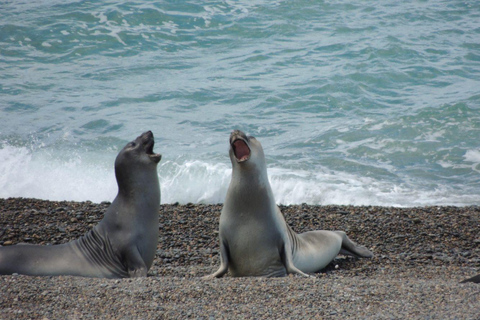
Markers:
point(364, 103)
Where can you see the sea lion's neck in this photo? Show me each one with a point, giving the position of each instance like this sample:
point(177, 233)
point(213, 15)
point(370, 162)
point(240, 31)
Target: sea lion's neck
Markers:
point(249, 192)
point(137, 201)
point(250, 179)
point(141, 185)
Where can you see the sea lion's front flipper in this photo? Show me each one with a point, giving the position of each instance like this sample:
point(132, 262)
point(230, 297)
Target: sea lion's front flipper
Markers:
point(222, 270)
point(136, 267)
point(287, 259)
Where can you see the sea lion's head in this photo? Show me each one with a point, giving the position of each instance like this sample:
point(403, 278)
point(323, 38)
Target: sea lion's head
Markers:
point(137, 158)
point(246, 151)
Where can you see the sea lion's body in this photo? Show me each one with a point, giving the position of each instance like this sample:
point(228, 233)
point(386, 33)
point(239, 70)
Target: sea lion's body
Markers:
point(124, 242)
point(255, 239)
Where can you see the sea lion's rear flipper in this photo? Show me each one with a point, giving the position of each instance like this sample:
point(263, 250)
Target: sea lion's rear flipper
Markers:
point(352, 249)
point(475, 279)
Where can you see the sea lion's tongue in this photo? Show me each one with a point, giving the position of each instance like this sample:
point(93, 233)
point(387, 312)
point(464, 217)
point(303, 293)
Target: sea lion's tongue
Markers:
point(242, 152)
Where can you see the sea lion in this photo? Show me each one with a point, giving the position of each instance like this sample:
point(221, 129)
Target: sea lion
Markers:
point(122, 244)
point(474, 279)
point(255, 240)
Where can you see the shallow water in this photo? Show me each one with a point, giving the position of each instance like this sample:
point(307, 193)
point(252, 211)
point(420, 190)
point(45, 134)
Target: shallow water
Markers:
point(354, 103)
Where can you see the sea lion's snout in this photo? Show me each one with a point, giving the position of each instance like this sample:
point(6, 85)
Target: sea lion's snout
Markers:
point(236, 134)
point(239, 145)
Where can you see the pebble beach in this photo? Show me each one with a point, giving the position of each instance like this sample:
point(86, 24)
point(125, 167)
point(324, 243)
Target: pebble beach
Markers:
point(421, 255)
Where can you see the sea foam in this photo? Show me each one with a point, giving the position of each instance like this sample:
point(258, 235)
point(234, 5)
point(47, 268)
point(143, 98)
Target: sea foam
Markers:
point(39, 175)
point(81, 178)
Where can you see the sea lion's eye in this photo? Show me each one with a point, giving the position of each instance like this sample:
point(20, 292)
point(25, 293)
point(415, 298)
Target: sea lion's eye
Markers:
point(132, 144)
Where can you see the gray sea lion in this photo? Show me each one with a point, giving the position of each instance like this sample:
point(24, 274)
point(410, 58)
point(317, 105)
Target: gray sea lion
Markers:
point(474, 279)
point(255, 240)
point(124, 242)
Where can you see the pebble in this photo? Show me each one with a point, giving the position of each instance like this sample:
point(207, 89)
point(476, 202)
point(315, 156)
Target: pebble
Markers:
point(421, 255)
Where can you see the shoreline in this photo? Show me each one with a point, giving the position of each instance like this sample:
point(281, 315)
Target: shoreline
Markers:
point(421, 255)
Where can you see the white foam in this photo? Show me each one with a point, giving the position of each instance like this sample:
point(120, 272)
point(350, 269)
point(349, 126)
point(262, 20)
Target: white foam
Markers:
point(23, 174)
point(338, 188)
point(472, 156)
point(86, 177)
point(193, 181)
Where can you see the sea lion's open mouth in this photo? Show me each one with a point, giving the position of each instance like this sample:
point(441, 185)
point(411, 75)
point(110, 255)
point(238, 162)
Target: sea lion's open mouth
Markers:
point(241, 150)
point(148, 146)
point(155, 157)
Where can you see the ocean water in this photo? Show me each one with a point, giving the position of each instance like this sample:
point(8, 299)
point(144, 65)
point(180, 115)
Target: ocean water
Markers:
point(355, 102)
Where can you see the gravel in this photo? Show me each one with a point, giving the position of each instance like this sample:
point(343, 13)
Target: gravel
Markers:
point(421, 255)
